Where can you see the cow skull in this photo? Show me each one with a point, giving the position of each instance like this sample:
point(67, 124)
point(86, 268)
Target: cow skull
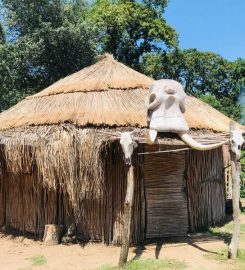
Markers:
point(236, 140)
point(128, 145)
point(165, 107)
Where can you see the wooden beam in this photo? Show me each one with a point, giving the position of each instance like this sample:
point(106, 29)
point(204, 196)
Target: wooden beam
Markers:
point(235, 172)
point(236, 141)
point(164, 151)
point(128, 205)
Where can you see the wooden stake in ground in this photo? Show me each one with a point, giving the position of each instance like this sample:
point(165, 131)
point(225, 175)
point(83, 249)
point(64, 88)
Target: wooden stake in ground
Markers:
point(128, 205)
point(236, 142)
point(128, 145)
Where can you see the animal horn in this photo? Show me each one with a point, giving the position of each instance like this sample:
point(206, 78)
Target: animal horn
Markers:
point(151, 136)
point(198, 146)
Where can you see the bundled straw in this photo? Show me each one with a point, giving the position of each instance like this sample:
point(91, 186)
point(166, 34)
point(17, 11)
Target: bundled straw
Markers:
point(105, 94)
point(64, 156)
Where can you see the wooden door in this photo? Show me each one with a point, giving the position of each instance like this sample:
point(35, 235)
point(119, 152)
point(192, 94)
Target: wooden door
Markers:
point(166, 200)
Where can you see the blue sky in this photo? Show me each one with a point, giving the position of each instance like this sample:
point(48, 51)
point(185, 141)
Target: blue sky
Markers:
point(209, 25)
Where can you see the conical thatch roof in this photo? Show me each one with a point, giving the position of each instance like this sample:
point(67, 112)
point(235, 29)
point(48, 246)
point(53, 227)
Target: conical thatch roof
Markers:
point(107, 93)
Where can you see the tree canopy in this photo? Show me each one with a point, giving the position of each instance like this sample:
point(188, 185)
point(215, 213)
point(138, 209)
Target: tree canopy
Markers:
point(48, 40)
point(45, 40)
point(2, 35)
point(129, 29)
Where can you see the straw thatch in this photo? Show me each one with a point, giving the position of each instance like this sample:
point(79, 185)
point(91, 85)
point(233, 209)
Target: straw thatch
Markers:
point(63, 156)
point(105, 94)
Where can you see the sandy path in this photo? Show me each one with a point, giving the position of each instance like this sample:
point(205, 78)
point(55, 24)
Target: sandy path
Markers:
point(15, 253)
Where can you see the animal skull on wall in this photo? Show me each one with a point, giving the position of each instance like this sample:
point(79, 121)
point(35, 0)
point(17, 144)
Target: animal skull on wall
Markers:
point(128, 145)
point(236, 140)
point(165, 107)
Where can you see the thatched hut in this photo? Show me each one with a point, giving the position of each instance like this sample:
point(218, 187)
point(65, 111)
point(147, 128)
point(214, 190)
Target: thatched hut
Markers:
point(61, 161)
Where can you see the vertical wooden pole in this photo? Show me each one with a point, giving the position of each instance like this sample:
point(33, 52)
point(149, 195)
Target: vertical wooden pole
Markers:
point(235, 173)
point(128, 205)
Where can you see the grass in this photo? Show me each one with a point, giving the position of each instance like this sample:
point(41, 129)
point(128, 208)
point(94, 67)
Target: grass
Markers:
point(225, 232)
point(38, 260)
point(149, 264)
point(222, 257)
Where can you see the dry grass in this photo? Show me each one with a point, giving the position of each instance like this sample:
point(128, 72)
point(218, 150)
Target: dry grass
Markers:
point(105, 94)
point(106, 74)
point(64, 156)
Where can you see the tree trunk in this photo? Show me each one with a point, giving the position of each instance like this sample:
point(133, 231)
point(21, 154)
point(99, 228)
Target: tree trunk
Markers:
point(128, 204)
point(235, 172)
point(52, 234)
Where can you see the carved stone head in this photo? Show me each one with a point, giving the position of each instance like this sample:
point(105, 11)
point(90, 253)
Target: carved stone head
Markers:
point(166, 107)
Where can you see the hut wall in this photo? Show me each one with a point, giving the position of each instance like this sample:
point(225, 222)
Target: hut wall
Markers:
point(166, 201)
point(160, 204)
point(206, 187)
point(25, 205)
point(2, 193)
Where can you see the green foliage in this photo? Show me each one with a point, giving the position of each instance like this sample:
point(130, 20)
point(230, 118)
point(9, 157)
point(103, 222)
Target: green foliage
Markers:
point(238, 72)
point(211, 100)
point(15, 80)
point(25, 17)
point(226, 105)
point(225, 231)
point(149, 264)
point(2, 35)
point(38, 260)
point(222, 257)
point(128, 29)
point(48, 40)
point(54, 53)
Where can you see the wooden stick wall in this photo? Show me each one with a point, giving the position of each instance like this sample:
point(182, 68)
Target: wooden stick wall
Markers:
point(206, 187)
point(27, 206)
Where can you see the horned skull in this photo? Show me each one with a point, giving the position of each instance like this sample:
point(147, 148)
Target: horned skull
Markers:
point(165, 108)
point(128, 145)
point(236, 140)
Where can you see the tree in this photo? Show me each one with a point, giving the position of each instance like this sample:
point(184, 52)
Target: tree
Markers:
point(204, 74)
point(13, 76)
point(129, 29)
point(238, 72)
point(54, 53)
point(48, 40)
point(2, 35)
point(25, 17)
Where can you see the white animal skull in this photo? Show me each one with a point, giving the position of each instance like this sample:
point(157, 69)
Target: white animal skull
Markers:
point(128, 145)
point(236, 140)
point(165, 113)
point(166, 107)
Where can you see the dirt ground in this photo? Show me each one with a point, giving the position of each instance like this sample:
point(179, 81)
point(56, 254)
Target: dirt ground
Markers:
point(16, 253)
